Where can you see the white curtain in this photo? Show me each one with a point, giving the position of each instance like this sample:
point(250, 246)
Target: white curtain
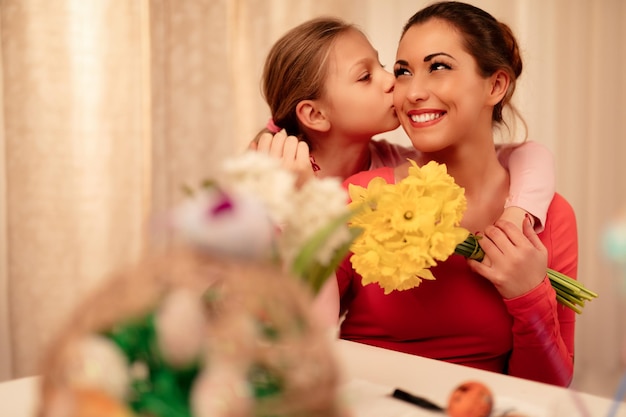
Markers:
point(74, 159)
point(5, 332)
point(109, 106)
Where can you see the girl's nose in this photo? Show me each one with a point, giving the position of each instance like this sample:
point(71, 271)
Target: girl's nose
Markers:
point(390, 82)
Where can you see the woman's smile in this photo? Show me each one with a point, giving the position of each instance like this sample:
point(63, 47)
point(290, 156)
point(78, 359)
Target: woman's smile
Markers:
point(424, 118)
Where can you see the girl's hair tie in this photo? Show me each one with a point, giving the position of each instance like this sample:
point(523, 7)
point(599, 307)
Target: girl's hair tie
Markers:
point(272, 127)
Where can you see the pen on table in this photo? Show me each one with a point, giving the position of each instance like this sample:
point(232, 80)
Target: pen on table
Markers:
point(415, 400)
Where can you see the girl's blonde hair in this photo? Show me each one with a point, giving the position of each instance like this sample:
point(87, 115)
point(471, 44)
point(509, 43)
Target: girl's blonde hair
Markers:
point(296, 68)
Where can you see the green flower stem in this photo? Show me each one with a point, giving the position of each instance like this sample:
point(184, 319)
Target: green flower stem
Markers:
point(567, 303)
point(306, 265)
point(567, 286)
point(569, 292)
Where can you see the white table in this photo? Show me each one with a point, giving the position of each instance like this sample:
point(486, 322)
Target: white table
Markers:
point(434, 380)
point(371, 374)
point(18, 398)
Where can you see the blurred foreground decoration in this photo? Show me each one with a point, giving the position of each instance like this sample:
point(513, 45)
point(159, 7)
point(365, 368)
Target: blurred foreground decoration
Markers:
point(614, 240)
point(222, 326)
point(614, 248)
point(255, 209)
point(614, 245)
point(188, 334)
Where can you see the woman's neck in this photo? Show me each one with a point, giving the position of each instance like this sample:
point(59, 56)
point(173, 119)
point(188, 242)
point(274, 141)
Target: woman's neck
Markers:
point(485, 180)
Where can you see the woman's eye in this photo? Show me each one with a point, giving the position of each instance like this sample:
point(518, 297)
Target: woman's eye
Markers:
point(400, 71)
point(365, 77)
point(438, 66)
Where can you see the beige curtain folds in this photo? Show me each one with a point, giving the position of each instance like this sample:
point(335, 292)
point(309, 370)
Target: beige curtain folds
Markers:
point(5, 331)
point(193, 117)
point(76, 155)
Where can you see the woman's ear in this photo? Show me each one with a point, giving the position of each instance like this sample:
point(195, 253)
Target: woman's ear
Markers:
point(312, 115)
point(500, 82)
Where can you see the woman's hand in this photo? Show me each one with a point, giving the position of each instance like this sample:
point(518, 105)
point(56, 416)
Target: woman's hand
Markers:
point(293, 153)
point(515, 260)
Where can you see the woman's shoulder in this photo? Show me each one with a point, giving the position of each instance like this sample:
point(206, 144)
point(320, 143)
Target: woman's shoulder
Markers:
point(560, 237)
point(561, 207)
point(561, 223)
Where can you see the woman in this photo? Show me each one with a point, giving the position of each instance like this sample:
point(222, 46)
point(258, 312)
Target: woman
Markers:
point(456, 71)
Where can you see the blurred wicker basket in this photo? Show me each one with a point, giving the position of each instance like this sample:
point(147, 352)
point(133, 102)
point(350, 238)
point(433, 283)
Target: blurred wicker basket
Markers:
point(255, 323)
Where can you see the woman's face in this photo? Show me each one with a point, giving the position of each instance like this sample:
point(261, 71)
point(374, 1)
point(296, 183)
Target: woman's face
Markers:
point(440, 98)
point(359, 91)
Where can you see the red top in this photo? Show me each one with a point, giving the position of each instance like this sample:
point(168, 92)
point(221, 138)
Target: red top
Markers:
point(461, 318)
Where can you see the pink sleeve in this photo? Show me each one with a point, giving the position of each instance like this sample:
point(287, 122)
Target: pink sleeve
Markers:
point(543, 330)
point(531, 168)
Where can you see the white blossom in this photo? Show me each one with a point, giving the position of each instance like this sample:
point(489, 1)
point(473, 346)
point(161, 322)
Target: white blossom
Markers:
point(233, 224)
point(261, 175)
point(318, 202)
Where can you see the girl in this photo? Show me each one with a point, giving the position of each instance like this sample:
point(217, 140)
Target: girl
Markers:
point(456, 71)
point(327, 90)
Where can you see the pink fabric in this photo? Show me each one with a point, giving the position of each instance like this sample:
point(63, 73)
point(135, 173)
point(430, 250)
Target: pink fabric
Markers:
point(272, 127)
point(532, 179)
point(461, 318)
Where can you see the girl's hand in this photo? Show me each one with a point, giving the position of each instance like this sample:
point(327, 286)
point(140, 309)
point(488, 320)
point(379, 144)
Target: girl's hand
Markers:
point(326, 303)
point(293, 153)
point(517, 216)
point(516, 260)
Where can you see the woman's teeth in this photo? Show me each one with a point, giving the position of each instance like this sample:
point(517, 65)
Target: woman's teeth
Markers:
point(425, 117)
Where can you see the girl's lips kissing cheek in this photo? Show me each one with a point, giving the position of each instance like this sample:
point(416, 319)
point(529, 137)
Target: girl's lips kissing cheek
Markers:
point(423, 118)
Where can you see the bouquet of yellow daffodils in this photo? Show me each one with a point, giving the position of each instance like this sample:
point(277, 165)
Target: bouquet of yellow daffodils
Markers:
point(406, 227)
point(410, 226)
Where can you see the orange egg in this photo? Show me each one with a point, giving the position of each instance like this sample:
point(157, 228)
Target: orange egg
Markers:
point(95, 403)
point(470, 399)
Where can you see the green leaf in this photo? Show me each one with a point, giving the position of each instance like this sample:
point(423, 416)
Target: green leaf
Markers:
point(306, 265)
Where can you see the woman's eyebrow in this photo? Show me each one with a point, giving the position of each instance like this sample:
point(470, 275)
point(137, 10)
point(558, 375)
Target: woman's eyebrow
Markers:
point(426, 58)
point(431, 56)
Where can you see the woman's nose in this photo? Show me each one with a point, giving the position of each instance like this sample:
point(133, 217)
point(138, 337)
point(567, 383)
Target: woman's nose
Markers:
point(417, 90)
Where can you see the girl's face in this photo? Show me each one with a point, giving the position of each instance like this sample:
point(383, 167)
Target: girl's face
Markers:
point(359, 91)
point(440, 98)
